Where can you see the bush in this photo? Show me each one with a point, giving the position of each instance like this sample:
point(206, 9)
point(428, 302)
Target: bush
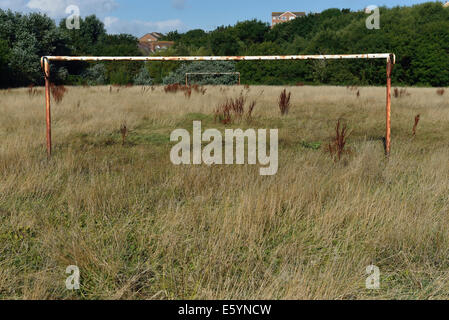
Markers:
point(95, 75)
point(179, 75)
point(143, 78)
point(63, 74)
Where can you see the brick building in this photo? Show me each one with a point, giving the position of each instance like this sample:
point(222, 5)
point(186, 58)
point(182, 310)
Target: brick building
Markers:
point(281, 17)
point(150, 37)
point(150, 43)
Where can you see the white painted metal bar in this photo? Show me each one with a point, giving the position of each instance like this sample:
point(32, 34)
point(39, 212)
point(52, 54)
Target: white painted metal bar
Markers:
point(387, 56)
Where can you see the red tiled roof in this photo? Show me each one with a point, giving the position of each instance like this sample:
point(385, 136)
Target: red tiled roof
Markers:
point(153, 36)
point(298, 14)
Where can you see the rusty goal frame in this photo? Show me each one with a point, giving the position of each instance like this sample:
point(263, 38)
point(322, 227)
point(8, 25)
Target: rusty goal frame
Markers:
point(390, 59)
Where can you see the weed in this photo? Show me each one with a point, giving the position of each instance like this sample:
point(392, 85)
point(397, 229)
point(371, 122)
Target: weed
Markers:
point(58, 92)
point(417, 118)
point(223, 113)
point(32, 91)
point(124, 132)
point(337, 146)
point(233, 109)
point(284, 102)
point(249, 114)
point(188, 92)
point(400, 93)
point(174, 88)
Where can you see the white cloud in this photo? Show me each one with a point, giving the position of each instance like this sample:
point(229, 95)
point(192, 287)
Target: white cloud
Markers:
point(139, 28)
point(14, 5)
point(56, 8)
point(110, 21)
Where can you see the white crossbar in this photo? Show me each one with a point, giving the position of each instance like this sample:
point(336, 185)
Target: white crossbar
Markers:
point(387, 56)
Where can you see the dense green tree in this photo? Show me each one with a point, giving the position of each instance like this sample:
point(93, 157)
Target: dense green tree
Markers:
point(85, 39)
point(28, 37)
point(251, 31)
point(172, 36)
point(24, 59)
point(195, 38)
point(121, 45)
point(5, 71)
point(223, 42)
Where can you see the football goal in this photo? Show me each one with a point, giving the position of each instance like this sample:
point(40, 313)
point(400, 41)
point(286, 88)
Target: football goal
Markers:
point(390, 59)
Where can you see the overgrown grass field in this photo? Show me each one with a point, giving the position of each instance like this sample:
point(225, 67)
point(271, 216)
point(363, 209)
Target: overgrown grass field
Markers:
point(139, 227)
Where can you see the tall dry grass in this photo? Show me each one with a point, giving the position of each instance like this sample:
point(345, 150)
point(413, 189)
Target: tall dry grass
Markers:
point(139, 227)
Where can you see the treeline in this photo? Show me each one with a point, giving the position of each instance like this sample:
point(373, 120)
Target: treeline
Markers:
point(418, 35)
point(25, 38)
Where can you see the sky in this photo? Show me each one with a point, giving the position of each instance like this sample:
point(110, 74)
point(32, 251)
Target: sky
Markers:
point(139, 17)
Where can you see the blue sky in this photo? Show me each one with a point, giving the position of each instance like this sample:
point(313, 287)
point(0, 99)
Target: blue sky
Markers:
point(141, 16)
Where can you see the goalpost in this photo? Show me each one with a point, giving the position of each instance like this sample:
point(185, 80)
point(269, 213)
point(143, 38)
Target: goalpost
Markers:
point(390, 59)
point(211, 73)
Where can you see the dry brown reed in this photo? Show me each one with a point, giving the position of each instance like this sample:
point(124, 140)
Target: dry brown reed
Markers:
point(284, 102)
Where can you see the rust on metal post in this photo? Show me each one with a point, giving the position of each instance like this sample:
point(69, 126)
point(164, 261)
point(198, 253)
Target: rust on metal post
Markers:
point(390, 62)
point(46, 68)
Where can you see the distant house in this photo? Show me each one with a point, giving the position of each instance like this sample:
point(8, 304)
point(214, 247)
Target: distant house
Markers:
point(446, 5)
point(150, 43)
point(150, 37)
point(281, 17)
